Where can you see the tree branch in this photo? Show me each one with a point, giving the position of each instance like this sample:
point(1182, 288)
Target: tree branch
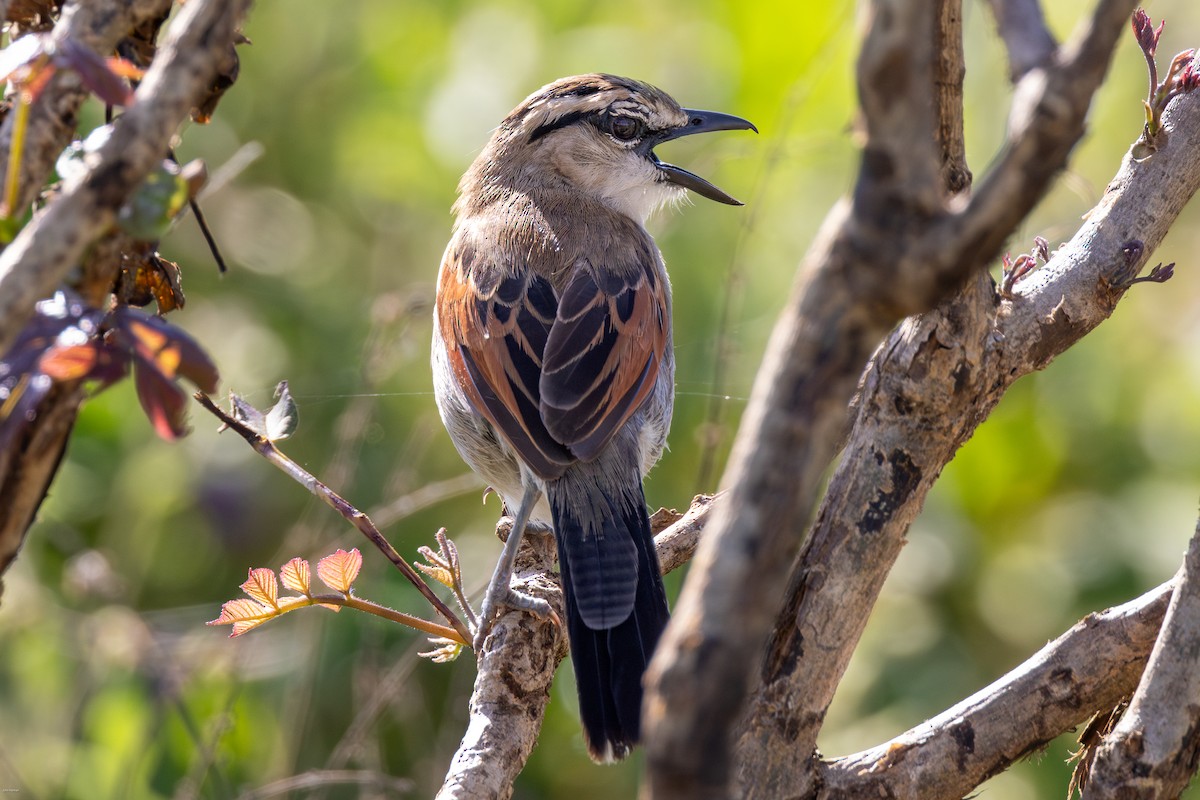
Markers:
point(1023, 30)
point(1089, 667)
point(930, 385)
point(361, 522)
point(36, 262)
point(949, 71)
point(889, 253)
point(1154, 749)
point(99, 25)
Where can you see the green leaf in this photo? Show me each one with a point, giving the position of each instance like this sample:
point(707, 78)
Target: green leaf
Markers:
point(149, 213)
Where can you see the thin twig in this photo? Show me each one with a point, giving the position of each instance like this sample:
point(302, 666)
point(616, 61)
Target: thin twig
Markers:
point(424, 497)
point(358, 519)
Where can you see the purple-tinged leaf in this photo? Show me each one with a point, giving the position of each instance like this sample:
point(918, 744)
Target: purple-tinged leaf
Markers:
point(163, 401)
point(95, 72)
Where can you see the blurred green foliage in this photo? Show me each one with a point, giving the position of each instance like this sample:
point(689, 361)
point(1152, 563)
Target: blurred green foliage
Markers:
point(335, 160)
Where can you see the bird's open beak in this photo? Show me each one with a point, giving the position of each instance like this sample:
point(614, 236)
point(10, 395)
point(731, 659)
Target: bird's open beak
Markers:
point(699, 122)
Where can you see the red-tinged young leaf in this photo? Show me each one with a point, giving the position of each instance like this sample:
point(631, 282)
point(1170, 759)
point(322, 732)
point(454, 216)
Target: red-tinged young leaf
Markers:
point(296, 576)
point(173, 353)
point(338, 571)
point(35, 81)
point(94, 71)
point(92, 361)
point(262, 586)
point(124, 68)
point(243, 615)
point(71, 362)
point(164, 402)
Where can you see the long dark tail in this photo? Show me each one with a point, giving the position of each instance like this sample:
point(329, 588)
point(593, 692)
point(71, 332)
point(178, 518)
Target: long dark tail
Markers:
point(616, 611)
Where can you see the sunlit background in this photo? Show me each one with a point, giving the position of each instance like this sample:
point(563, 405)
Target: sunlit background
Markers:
point(334, 161)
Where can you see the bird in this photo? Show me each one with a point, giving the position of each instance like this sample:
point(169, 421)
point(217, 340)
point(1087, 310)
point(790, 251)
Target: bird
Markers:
point(553, 365)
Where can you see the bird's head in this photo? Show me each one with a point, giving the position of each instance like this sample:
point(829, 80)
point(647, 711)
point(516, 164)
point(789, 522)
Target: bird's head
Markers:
point(596, 134)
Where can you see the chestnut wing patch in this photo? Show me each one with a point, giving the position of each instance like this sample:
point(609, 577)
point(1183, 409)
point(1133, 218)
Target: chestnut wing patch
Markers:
point(602, 355)
point(495, 336)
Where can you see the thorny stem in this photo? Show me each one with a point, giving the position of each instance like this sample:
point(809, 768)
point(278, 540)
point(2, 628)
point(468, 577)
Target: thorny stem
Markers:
point(358, 519)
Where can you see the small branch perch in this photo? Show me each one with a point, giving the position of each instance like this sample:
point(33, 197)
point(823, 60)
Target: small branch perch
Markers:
point(512, 688)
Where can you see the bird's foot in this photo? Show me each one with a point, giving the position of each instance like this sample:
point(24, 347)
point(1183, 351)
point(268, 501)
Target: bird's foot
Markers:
point(495, 602)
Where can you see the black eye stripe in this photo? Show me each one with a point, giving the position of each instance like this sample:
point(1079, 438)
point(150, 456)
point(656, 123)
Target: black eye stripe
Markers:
point(562, 122)
point(604, 120)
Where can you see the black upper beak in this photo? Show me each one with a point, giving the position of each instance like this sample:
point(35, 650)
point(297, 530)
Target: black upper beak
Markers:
point(698, 122)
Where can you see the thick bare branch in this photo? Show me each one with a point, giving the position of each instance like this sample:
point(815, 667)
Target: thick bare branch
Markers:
point(1023, 30)
point(888, 254)
point(1088, 668)
point(930, 385)
point(1154, 750)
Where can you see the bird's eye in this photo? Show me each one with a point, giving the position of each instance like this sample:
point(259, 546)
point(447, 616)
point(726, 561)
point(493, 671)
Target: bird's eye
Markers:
point(625, 128)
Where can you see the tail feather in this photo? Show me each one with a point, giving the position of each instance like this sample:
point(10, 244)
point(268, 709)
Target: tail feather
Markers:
point(613, 621)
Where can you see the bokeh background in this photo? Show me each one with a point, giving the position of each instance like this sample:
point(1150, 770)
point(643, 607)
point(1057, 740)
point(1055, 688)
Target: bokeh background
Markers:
point(335, 160)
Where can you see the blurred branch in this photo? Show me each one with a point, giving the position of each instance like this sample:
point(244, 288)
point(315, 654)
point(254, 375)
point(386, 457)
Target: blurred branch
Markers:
point(896, 249)
point(267, 449)
point(1089, 667)
point(39, 258)
point(320, 778)
point(1154, 749)
point(99, 25)
point(949, 70)
point(65, 233)
point(1022, 28)
point(423, 497)
point(516, 669)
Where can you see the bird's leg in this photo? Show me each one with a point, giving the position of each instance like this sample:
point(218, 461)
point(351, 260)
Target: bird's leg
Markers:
point(499, 592)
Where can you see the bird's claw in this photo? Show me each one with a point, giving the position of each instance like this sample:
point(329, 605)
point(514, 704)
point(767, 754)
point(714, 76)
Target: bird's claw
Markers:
point(495, 603)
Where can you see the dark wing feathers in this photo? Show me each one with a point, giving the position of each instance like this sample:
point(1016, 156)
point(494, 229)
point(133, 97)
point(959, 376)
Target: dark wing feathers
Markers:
point(602, 355)
point(495, 344)
point(557, 376)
